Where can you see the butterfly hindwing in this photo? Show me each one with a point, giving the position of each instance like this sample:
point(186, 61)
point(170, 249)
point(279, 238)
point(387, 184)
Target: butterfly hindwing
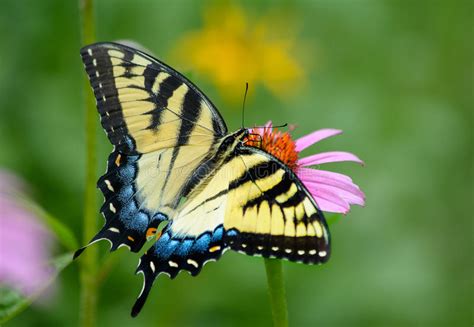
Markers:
point(271, 214)
point(173, 252)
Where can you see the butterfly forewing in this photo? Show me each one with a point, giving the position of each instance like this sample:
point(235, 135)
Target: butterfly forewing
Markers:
point(146, 105)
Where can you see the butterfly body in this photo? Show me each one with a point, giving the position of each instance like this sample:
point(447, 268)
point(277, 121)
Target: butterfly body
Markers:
point(174, 161)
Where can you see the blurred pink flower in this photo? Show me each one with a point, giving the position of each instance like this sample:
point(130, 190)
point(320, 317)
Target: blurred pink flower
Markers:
point(24, 241)
point(333, 192)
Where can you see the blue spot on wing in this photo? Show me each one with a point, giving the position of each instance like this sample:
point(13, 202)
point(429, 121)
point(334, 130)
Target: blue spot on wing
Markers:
point(138, 221)
point(202, 243)
point(127, 173)
point(232, 233)
point(126, 193)
point(218, 234)
point(185, 248)
point(164, 247)
point(173, 253)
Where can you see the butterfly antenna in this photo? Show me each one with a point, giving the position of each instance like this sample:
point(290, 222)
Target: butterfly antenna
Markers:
point(243, 104)
point(280, 126)
point(273, 126)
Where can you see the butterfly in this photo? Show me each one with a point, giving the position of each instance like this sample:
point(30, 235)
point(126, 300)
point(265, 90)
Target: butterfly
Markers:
point(174, 161)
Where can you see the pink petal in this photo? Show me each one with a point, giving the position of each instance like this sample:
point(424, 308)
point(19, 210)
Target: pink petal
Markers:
point(348, 196)
point(325, 157)
point(307, 140)
point(346, 190)
point(327, 200)
point(303, 172)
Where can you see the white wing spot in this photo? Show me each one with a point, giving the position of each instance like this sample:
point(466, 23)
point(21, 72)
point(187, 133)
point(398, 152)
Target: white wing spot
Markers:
point(322, 253)
point(112, 208)
point(288, 250)
point(152, 266)
point(100, 85)
point(114, 230)
point(103, 98)
point(300, 252)
point(244, 245)
point(193, 263)
point(173, 264)
point(94, 62)
point(109, 186)
point(143, 285)
point(97, 73)
point(89, 51)
point(312, 252)
point(260, 247)
point(275, 248)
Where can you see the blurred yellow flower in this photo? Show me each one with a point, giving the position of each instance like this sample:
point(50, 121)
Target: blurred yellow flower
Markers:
point(231, 51)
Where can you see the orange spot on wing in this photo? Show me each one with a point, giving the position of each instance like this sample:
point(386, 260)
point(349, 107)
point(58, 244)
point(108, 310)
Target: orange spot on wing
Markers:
point(131, 238)
point(150, 232)
point(117, 160)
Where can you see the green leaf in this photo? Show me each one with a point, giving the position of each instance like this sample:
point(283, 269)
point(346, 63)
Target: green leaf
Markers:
point(64, 235)
point(12, 302)
point(62, 232)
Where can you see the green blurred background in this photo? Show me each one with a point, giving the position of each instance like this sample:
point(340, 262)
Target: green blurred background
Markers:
point(396, 76)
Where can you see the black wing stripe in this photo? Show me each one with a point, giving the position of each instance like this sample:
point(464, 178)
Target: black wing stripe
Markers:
point(281, 188)
point(255, 173)
point(190, 112)
point(150, 74)
point(167, 87)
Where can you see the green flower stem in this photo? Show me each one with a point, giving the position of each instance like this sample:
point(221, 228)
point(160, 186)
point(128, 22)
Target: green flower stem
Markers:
point(276, 289)
point(88, 269)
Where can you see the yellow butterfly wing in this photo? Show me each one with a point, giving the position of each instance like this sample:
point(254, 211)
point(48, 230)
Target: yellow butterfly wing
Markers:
point(271, 214)
point(146, 105)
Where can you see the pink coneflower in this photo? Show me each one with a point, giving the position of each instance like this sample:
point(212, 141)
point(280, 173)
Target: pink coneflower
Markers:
point(332, 192)
point(24, 241)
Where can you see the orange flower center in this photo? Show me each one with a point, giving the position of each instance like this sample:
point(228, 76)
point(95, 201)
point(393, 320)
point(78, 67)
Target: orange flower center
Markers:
point(278, 144)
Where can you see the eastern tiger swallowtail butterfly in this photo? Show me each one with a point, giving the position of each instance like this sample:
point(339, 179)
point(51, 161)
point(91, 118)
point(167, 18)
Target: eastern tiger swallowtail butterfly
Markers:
point(174, 161)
